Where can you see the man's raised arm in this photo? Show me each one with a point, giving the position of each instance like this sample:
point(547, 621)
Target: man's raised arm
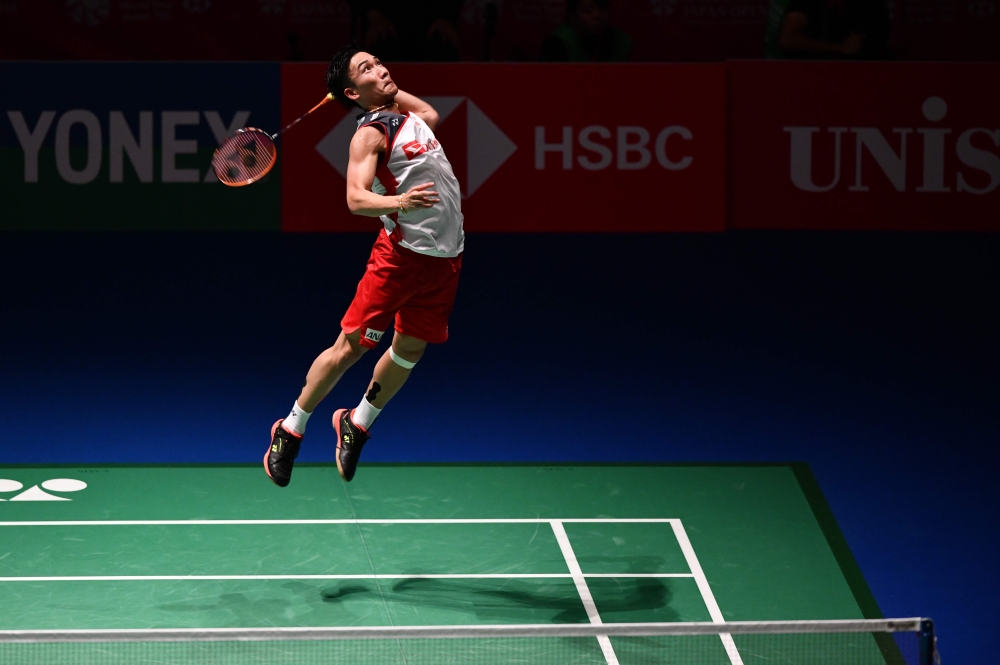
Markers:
point(418, 107)
point(365, 149)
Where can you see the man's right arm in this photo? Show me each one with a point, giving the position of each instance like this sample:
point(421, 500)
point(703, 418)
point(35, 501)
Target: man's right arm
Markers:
point(366, 146)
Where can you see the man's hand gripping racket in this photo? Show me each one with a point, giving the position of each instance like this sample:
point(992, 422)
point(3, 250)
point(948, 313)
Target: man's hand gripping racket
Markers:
point(250, 153)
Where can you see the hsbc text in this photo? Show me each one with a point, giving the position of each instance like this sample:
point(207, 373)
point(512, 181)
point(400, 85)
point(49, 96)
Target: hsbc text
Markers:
point(596, 148)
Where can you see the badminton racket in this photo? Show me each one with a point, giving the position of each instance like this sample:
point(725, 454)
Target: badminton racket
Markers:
point(249, 154)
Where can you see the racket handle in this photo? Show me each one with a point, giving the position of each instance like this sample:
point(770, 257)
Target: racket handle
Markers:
point(329, 96)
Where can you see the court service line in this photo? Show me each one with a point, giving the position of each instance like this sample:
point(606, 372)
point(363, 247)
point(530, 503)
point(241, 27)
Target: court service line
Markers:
point(416, 576)
point(706, 591)
point(530, 520)
point(581, 588)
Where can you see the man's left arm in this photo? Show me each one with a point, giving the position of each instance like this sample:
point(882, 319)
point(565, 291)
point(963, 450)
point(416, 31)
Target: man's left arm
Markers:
point(419, 108)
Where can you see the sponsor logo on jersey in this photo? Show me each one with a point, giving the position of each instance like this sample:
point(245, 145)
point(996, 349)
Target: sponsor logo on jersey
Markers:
point(374, 335)
point(415, 148)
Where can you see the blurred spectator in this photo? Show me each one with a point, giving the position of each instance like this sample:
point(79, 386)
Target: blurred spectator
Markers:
point(397, 30)
point(586, 36)
point(827, 29)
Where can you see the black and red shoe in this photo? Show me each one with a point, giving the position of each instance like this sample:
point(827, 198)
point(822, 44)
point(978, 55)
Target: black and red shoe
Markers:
point(280, 456)
point(350, 440)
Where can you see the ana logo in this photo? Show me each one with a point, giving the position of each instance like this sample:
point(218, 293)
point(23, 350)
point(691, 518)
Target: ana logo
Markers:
point(978, 160)
point(272, 7)
point(487, 147)
point(88, 12)
point(36, 493)
point(374, 335)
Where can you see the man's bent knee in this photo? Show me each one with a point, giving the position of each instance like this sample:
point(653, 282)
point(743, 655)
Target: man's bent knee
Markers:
point(408, 348)
point(348, 347)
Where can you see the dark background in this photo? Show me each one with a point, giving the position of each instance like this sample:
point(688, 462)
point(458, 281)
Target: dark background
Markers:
point(514, 30)
point(873, 357)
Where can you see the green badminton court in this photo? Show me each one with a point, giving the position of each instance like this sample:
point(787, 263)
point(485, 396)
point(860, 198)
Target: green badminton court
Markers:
point(221, 547)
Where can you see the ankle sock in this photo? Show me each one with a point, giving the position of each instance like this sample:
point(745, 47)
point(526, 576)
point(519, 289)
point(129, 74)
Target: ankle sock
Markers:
point(365, 414)
point(296, 420)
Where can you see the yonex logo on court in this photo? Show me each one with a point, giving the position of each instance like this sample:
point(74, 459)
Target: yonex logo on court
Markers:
point(39, 493)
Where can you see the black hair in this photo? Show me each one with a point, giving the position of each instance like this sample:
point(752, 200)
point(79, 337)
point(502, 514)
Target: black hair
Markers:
point(338, 74)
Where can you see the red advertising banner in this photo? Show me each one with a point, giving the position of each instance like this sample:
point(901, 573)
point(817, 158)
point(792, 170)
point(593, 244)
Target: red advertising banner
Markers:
point(902, 146)
point(535, 147)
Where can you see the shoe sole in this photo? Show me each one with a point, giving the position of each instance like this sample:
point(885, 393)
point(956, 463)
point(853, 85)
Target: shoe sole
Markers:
point(336, 428)
point(274, 429)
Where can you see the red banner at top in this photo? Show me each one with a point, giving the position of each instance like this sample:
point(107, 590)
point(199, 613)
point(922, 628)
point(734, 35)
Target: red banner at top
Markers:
point(535, 148)
point(900, 146)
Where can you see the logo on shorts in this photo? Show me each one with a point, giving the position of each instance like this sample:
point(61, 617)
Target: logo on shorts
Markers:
point(374, 335)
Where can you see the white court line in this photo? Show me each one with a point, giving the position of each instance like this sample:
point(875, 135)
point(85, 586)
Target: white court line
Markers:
point(692, 560)
point(417, 576)
point(530, 520)
point(706, 591)
point(581, 587)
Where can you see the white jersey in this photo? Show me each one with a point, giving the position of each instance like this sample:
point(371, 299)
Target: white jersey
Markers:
point(414, 157)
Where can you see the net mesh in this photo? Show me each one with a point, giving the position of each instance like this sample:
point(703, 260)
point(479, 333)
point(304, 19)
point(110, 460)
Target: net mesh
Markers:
point(245, 157)
point(764, 643)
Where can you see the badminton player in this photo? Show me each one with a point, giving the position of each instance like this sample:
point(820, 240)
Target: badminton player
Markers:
point(398, 172)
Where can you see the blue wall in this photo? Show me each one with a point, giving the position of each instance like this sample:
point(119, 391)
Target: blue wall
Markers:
point(874, 357)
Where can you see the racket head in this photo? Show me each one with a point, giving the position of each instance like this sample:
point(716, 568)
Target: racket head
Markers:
point(245, 157)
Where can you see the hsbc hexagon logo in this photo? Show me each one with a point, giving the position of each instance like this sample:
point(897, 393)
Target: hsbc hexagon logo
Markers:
point(488, 147)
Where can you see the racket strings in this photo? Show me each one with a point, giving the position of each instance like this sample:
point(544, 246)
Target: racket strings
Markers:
point(245, 157)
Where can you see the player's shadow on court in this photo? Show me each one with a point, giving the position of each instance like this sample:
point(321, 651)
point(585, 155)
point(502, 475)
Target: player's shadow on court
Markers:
point(246, 611)
point(555, 601)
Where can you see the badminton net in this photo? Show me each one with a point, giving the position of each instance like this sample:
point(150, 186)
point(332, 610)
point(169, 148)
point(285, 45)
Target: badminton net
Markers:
point(862, 642)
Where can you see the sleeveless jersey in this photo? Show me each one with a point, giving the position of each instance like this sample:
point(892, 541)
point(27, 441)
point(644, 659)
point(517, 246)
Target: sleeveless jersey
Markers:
point(414, 157)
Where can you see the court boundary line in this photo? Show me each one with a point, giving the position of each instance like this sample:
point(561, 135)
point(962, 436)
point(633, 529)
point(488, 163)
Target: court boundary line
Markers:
point(706, 591)
point(332, 576)
point(421, 520)
point(580, 582)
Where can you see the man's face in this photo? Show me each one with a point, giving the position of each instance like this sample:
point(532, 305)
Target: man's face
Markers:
point(371, 80)
point(591, 17)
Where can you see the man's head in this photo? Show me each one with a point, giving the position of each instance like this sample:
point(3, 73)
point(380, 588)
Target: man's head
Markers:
point(588, 16)
point(358, 79)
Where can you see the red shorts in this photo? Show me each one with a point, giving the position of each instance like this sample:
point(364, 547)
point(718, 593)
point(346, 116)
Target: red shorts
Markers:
point(418, 290)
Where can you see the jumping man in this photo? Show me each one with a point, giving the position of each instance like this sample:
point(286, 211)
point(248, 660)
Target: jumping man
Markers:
point(398, 172)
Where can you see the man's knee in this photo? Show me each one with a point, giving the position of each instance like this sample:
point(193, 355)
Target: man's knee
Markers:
point(408, 348)
point(348, 348)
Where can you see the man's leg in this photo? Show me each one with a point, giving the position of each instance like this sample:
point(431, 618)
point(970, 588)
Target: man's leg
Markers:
point(391, 372)
point(327, 369)
point(323, 375)
point(352, 425)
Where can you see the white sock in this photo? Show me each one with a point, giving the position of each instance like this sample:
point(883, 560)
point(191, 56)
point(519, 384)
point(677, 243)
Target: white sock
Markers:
point(365, 414)
point(296, 420)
